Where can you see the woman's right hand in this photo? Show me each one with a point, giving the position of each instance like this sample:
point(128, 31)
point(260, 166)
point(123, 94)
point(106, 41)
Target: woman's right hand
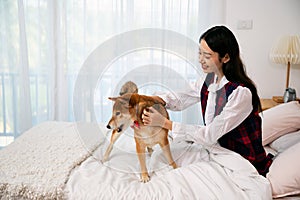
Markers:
point(153, 118)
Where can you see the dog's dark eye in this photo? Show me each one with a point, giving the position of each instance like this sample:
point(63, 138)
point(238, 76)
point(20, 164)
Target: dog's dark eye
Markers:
point(118, 113)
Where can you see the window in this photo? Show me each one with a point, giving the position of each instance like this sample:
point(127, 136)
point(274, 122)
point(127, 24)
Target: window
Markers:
point(44, 45)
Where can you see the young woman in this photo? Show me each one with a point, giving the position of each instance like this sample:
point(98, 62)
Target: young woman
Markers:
point(229, 100)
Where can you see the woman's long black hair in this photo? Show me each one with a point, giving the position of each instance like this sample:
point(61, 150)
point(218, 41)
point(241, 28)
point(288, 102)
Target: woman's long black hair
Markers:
point(221, 40)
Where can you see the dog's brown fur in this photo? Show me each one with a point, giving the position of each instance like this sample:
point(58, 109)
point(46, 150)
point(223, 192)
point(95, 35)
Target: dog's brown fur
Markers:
point(127, 111)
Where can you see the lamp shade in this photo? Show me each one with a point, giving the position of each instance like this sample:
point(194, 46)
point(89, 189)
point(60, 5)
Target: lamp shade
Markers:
point(286, 50)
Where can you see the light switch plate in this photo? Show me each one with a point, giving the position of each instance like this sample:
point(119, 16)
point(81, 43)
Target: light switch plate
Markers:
point(244, 24)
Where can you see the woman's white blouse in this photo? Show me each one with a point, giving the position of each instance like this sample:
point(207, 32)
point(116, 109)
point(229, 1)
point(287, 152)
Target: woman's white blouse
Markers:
point(235, 111)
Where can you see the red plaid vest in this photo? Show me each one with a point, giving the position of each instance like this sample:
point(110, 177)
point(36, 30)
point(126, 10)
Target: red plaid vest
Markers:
point(246, 138)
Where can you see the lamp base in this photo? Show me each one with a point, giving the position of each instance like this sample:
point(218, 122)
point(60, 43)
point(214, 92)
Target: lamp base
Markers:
point(279, 99)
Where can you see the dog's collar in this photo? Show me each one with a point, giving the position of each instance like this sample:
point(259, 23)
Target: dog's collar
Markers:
point(135, 124)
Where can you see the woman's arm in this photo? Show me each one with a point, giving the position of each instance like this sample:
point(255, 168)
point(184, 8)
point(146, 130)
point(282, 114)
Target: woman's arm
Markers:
point(236, 110)
point(174, 101)
point(181, 100)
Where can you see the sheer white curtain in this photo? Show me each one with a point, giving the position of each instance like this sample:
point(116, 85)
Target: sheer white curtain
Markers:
point(46, 43)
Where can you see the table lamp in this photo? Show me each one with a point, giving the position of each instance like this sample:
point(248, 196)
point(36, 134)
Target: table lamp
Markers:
point(286, 51)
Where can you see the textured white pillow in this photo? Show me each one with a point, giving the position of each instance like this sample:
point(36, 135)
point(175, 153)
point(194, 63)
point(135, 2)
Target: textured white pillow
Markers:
point(284, 173)
point(38, 163)
point(280, 120)
point(285, 141)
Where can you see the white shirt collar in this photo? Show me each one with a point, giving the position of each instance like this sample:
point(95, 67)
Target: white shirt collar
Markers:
point(215, 87)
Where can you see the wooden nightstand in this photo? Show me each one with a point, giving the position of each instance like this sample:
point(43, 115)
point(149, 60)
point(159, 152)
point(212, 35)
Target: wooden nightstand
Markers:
point(268, 103)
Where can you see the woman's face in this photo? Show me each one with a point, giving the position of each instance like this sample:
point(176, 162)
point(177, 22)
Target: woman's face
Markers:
point(209, 59)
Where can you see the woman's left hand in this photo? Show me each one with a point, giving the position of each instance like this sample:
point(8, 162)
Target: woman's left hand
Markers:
point(153, 118)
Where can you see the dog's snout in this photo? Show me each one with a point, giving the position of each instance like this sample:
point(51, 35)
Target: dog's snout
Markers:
point(120, 128)
point(108, 126)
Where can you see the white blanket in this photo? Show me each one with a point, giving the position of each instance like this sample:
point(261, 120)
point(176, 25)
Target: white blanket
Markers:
point(204, 173)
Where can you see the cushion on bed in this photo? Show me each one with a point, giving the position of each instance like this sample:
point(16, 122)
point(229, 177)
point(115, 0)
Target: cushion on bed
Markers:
point(280, 120)
point(270, 150)
point(38, 163)
point(284, 173)
point(285, 141)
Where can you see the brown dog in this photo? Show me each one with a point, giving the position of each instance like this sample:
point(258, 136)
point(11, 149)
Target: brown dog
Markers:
point(127, 111)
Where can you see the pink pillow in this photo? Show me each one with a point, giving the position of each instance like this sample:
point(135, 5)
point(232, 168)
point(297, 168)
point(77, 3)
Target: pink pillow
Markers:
point(284, 173)
point(280, 120)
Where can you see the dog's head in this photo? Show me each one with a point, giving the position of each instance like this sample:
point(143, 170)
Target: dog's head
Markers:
point(128, 108)
point(122, 112)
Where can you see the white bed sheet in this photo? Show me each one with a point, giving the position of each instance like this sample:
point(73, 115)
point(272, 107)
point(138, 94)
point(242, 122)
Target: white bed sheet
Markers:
point(204, 173)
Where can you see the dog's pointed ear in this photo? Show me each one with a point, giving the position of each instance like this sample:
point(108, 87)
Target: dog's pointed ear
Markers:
point(130, 98)
point(125, 100)
point(113, 98)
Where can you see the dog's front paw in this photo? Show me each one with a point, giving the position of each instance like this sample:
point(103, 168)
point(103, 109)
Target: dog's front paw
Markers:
point(145, 177)
point(173, 164)
point(104, 159)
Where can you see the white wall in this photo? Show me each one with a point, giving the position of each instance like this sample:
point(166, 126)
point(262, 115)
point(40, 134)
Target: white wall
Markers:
point(271, 19)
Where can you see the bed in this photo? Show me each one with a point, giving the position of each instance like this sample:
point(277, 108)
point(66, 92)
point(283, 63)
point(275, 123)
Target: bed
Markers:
point(62, 160)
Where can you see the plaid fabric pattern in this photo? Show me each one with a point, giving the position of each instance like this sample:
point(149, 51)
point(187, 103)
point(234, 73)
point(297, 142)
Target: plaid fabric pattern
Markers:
point(246, 138)
point(204, 92)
